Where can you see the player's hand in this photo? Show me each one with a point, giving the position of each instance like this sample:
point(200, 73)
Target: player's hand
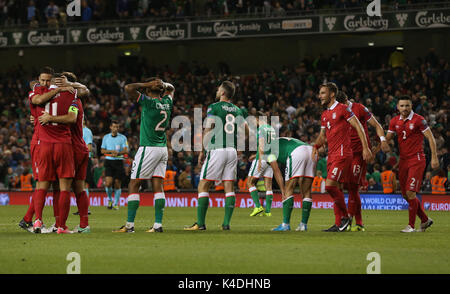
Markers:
point(315, 154)
point(367, 155)
point(115, 153)
point(153, 83)
point(434, 163)
point(385, 147)
point(44, 118)
point(67, 89)
point(200, 159)
point(31, 119)
point(62, 82)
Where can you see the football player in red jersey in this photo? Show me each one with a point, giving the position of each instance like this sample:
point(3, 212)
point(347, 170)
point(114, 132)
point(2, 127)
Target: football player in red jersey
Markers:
point(335, 122)
point(410, 129)
point(357, 175)
point(55, 152)
point(44, 80)
point(81, 154)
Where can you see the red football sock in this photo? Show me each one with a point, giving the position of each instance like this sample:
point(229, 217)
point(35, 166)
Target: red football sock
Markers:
point(39, 202)
point(337, 215)
point(339, 200)
point(56, 194)
point(421, 212)
point(83, 208)
point(64, 208)
point(412, 209)
point(30, 212)
point(354, 203)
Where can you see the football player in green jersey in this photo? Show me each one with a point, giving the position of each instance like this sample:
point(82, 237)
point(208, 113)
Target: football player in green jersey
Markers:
point(151, 158)
point(261, 168)
point(300, 169)
point(221, 156)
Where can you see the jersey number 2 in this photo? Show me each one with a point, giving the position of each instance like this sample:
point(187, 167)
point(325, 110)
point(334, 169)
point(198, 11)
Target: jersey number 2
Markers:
point(158, 126)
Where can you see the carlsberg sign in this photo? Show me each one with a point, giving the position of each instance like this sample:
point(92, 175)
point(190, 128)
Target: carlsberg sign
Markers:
point(432, 19)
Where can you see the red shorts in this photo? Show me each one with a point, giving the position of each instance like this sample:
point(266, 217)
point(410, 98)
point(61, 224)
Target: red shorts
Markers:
point(55, 161)
point(338, 168)
point(34, 152)
point(80, 160)
point(410, 174)
point(358, 169)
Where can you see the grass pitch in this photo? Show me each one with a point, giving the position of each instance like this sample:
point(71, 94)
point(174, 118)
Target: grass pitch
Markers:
point(249, 248)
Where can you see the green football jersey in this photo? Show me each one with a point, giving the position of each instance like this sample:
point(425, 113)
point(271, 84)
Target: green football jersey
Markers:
point(282, 147)
point(267, 132)
point(227, 118)
point(155, 119)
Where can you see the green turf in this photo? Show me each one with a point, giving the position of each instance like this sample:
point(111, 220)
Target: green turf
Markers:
point(250, 247)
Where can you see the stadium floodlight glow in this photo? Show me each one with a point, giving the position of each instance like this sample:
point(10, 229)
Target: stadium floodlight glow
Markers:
point(400, 48)
point(371, 44)
point(127, 53)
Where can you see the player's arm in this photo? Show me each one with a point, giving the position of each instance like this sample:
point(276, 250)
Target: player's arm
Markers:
point(320, 141)
point(132, 89)
point(33, 83)
point(261, 152)
point(380, 132)
point(82, 90)
point(434, 159)
point(69, 118)
point(43, 98)
point(276, 172)
point(169, 90)
point(354, 122)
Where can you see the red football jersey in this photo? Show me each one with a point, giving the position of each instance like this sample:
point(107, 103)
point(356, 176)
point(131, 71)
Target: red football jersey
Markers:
point(335, 121)
point(55, 132)
point(77, 129)
point(363, 115)
point(37, 90)
point(409, 135)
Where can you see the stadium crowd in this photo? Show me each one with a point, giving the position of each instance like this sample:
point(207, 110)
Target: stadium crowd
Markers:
point(42, 13)
point(289, 93)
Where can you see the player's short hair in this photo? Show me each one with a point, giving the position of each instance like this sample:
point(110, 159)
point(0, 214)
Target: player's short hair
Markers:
point(114, 122)
point(229, 89)
point(331, 87)
point(57, 75)
point(341, 97)
point(47, 70)
point(405, 97)
point(71, 77)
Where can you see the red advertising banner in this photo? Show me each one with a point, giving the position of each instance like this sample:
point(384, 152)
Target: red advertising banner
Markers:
point(243, 200)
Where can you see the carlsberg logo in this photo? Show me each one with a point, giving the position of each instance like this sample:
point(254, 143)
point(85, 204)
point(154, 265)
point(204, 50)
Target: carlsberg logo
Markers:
point(434, 20)
point(374, 8)
point(75, 35)
point(401, 18)
point(351, 23)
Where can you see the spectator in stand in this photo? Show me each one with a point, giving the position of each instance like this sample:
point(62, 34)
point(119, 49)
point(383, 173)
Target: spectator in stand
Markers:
point(98, 10)
point(122, 8)
point(86, 11)
point(374, 186)
point(51, 14)
point(185, 178)
point(31, 11)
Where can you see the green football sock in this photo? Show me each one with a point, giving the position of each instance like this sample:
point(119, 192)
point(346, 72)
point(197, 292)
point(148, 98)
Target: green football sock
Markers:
point(269, 198)
point(159, 210)
point(288, 205)
point(109, 192)
point(230, 202)
point(202, 208)
point(255, 197)
point(306, 209)
point(133, 205)
point(117, 193)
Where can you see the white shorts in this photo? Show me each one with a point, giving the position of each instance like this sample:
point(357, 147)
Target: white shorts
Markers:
point(266, 170)
point(300, 163)
point(149, 162)
point(220, 165)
